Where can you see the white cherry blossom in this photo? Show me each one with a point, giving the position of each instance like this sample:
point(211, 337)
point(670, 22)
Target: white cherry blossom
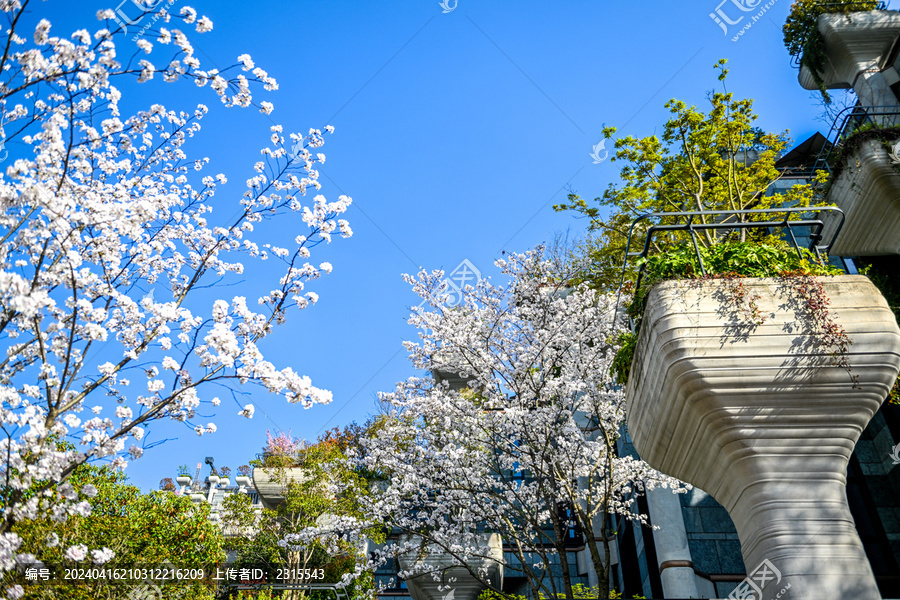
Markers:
point(109, 226)
point(531, 427)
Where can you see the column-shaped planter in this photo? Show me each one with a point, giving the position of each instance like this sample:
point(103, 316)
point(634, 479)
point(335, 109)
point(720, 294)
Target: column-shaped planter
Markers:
point(184, 481)
point(868, 191)
point(272, 482)
point(760, 417)
point(243, 482)
point(458, 579)
point(857, 45)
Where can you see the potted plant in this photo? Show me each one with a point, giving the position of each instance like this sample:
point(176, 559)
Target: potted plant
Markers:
point(243, 477)
point(224, 479)
point(866, 186)
point(184, 476)
point(753, 385)
point(278, 468)
point(835, 42)
point(756, 390)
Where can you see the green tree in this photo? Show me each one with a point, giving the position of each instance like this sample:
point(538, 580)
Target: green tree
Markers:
point(143, 530)
point(316, 486)
point(704, 162)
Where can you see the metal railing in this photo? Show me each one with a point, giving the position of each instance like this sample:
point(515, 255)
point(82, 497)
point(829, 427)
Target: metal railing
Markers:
point(721, 221)
point(846, 123)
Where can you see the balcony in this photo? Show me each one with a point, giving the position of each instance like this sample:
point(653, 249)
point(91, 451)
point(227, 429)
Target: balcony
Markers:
point(272, 482)
point(859, 50)
point(865, 181)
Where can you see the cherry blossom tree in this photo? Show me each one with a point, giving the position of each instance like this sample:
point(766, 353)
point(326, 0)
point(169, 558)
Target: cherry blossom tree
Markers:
point(112, 236)
point(524, 443)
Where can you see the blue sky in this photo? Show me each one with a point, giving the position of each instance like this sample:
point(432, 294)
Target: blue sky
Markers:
point(456, 132)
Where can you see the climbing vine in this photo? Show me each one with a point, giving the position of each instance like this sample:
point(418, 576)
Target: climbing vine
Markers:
point(812, 307)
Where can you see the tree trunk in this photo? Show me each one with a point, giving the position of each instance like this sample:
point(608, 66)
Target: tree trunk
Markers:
point(559, 531)
point(600, 564)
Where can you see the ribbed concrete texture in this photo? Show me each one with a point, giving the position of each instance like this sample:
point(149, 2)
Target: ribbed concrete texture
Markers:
point(858, 45)
point(451, 577)
point(272, 482)
point(868, 191)
point(760, 418)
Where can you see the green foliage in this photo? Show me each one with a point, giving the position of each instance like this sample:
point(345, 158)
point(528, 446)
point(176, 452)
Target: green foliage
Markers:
point(742, 259)
point(621, 365)
point(308, 474)
point(579, 592)
point(263, 594)
point(801, 32)
point(144, 530)
point(699, 164)
point(490, 594)
point(732, 260)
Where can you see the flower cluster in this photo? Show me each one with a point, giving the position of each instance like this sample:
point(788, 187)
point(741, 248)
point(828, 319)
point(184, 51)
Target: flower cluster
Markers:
point(520, 418)
point(109, 228)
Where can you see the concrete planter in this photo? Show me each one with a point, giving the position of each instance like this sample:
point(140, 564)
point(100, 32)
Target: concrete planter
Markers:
point(454, 380)
point(761, 419)
point(461, 581)
point(271, 492)
point(868, 191)
point(857, 44)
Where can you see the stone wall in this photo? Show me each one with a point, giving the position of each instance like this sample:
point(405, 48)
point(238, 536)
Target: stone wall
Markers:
point(712, 538)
